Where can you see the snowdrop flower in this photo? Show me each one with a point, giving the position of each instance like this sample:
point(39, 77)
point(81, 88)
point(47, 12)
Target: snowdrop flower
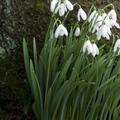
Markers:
point(77, 32)
point(53, 5)
point(98, 23)
point(61, 31)
point(82, 14)
point(104, 31)
point(68, 5)
point(62, 9)
point(90, 48)
point(95, 50)
point(112, 23)
point(117, 46)
point(93, 22)
point(92, 15)
point(112, 14)
point(87, 47)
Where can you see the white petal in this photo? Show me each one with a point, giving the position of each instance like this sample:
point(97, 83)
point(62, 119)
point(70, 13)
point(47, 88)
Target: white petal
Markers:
point(92, 15)
point(69, 5)
point(82, 13)
point(60, 31)
point(53, 5)
point(62, 9)
point(112, 14)
point(117, 45)
point(95, 50)
point(77, 32)
point(87, 47)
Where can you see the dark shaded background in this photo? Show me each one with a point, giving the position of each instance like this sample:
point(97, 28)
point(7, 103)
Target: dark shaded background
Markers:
point(28, 19)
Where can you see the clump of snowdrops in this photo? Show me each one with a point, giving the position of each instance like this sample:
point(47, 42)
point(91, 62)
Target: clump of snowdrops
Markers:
point(72, 78)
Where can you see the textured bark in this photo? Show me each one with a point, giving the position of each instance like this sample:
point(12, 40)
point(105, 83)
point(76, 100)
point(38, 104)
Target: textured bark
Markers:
point(18, 19)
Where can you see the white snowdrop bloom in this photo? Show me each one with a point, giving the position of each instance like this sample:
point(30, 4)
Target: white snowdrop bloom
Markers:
point(106, 20)
point(61, 31)
point(95, 50)
point(68, 5)
point(92, 15)
point(61, 9)
point(87, 47)
point(53, 5)
point(77, 32)
point(112, 23)
point(93, 23)
point(82, 14)
point(117, 46)
point(104, 31)
point(112, 14)
point(97, 24)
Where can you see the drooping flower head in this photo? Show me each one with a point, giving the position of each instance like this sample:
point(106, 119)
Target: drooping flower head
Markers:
point(82, 14)
point(61, 9)
point(104, 31)
point(53, 5)
point(61, 31)
point(77, 32)
point(90, 48)
point(68, 5)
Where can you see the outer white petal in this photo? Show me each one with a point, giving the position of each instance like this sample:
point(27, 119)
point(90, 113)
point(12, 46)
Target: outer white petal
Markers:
point(82, 13)
point(87, 47)
point(92, 15)
point(117, 45)
point(62, 9)
point(116, 24)
point(65, 31)
point(109, 31)
point(60, 31)
point(113, 15)
point(53, 5)
point(57, 32)
point(95, 50)
point(104, 30)
point(77, 32)
point(69, 5)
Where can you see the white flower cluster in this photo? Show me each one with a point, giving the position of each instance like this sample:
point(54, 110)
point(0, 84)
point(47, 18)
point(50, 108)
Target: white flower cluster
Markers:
point(61, 7)
point(101, 23)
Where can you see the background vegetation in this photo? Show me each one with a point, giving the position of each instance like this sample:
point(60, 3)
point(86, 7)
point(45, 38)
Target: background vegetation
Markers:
point(24, 18)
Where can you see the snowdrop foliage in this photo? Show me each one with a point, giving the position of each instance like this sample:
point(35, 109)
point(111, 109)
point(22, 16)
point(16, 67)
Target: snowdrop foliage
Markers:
point(76, 77)
point(53, 5)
